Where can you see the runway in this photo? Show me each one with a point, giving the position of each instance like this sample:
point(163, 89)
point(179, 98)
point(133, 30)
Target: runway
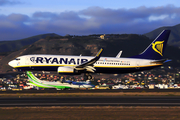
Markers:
point(90, 91)
point(91, 101)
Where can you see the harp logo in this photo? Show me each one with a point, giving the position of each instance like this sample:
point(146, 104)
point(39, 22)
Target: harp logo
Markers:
point(158, 47)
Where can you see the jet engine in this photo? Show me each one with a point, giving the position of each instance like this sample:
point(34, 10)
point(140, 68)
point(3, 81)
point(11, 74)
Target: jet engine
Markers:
point(68, 70)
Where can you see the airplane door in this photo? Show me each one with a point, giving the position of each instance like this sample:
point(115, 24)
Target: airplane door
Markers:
point(137, 64)
point(26, 61)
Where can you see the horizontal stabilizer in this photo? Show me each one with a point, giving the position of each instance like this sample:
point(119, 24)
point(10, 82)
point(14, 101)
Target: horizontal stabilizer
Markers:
point(161, 61)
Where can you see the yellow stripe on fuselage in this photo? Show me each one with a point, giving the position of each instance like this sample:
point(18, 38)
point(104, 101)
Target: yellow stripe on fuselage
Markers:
point(66, 71)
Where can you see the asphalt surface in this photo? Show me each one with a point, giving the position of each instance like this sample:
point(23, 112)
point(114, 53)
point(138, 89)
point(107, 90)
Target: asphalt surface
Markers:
point(91, 101)
point(90, 91)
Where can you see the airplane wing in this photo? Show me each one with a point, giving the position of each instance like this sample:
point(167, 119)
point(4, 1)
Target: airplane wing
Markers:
point(89, 64)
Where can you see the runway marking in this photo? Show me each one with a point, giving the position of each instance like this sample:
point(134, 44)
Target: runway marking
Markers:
point(159, 99)
point(78, 104)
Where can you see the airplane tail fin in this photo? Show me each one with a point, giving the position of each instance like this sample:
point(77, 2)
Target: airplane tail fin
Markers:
point(156, 49)
point(32, 78)
point(35, 81)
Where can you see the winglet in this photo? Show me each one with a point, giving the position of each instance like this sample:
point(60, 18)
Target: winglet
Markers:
point(92, 61)
point(99, 53)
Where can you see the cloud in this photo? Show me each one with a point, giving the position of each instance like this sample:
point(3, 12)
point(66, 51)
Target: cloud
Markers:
point(93, 20)
point(9, 2)
point(44, 15)
point(136, 20)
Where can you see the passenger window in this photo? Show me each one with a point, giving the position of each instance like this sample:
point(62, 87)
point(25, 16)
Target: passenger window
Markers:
point(17, 59)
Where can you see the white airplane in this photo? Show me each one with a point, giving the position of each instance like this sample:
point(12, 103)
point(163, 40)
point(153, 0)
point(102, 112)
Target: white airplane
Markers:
point(34, 81)
point(150, 58)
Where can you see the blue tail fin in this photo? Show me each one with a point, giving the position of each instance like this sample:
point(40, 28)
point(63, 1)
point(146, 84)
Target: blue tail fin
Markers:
point(156, 49)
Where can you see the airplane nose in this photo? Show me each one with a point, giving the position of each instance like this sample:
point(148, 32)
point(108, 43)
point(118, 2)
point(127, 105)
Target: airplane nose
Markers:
point(11, 63)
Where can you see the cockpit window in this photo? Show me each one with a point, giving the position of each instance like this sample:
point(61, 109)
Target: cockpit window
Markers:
point(17, 59)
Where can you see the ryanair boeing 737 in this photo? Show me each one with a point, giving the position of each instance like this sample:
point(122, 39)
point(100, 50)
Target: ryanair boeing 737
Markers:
point(150, 58)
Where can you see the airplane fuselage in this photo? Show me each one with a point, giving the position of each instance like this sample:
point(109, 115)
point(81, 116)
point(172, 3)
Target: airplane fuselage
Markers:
point(103, 65)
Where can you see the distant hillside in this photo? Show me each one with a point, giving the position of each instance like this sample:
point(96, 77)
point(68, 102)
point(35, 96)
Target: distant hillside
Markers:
point(174, 38)
point(8, 46)
point(131, 44)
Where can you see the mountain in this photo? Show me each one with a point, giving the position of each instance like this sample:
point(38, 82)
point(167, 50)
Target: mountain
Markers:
point(174, 38)
point(131, 44)
point(8, 46)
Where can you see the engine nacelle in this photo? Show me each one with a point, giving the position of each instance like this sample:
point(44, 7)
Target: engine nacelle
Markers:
point(67, 70)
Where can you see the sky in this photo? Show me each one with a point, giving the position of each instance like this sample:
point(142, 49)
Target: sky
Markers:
point(25, 18)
